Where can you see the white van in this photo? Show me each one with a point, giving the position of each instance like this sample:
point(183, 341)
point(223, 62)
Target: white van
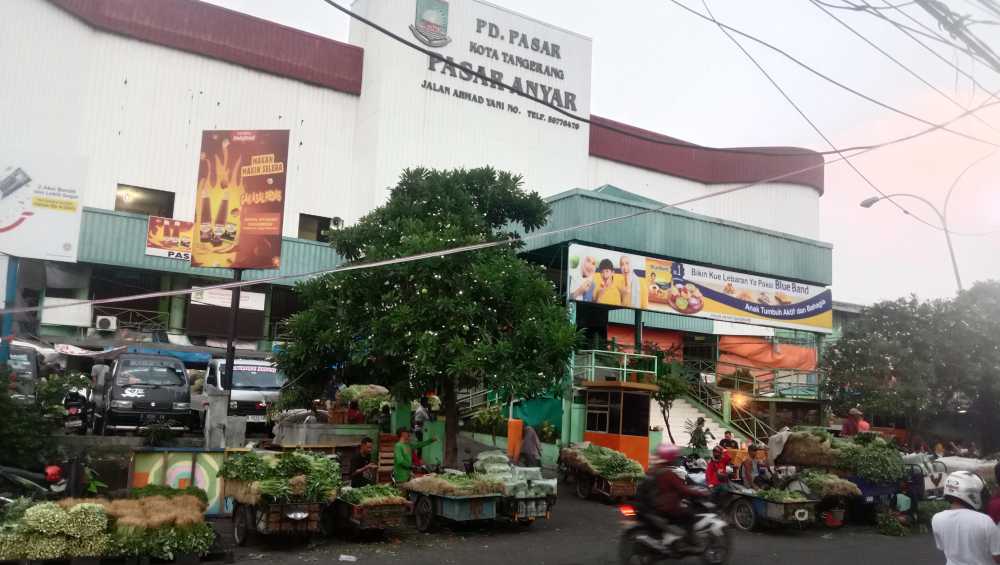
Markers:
point(256, 385)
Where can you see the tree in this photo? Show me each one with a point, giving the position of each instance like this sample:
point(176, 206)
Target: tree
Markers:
point(670, 383)
point(439, 324)
point(922, 361)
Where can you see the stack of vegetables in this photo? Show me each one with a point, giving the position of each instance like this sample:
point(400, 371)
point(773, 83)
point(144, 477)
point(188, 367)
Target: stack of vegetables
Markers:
point(287, 477)
point(866, 456)
point(604, 462)
point(373, 495)
point(518, 482)
point(782, 495)
point(453, 484)
point(826, 485)
point(149, 526)
point(370, 398)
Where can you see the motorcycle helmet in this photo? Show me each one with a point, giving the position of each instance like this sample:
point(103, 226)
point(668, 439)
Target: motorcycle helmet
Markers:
point(965, 486)
point(668, 453)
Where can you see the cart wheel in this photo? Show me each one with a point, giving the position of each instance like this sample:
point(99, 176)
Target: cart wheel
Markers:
point(243, 526)
point(423, 511)
point(743, 516)
point(563, 474)
point(584, 487)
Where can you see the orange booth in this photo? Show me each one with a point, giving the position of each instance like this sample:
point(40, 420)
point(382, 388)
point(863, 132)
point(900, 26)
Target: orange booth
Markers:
point(618, 417)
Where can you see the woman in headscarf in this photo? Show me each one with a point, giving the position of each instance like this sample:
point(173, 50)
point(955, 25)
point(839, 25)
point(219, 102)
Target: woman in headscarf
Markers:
point(531, 449)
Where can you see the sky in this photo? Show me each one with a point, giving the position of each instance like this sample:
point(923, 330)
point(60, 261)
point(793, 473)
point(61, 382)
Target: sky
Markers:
point(661, 68)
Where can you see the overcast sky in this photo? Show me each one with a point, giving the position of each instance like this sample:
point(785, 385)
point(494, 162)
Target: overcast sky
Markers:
point(660, 68)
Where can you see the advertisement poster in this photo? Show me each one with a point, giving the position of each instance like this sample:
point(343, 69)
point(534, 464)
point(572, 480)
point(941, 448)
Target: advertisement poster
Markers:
point(40, 208)
point(166, 237)
point(623, 280)
point(240, 199)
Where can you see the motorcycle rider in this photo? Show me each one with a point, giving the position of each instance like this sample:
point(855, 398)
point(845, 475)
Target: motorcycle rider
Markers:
point(965, 535)
point(669, 496)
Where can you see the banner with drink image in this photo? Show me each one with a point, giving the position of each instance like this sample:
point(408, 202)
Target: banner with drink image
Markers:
point(166, 237)
point(625, 280)
point(240, 199)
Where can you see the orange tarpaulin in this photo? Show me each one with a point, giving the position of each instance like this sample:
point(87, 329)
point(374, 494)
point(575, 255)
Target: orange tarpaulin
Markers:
point(665, 339)
point(746, 351)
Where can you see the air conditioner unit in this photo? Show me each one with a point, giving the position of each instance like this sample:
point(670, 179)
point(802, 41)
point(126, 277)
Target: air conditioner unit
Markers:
point(106, 323)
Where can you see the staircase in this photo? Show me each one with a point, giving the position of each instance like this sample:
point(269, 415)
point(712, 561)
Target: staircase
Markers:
point(682, 411)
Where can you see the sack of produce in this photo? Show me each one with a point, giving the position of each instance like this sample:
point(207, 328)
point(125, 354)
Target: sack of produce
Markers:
point(455, 485)
point(494, 456)
point(528, 473)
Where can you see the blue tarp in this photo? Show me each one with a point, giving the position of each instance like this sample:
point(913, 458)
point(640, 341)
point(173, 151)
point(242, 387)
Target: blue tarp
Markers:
point(187, 357)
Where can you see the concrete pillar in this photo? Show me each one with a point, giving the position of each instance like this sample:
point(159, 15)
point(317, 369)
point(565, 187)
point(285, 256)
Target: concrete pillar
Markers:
point(727, 406)
point(638, 331)
point(265, 344)
point(178, 304)
point(215, 418)
point(566, 430)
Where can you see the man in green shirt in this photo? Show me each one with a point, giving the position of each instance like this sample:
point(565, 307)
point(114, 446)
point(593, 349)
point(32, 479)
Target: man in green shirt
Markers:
point(403, 455)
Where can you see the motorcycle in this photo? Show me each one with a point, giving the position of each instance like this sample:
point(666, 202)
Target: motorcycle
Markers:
point(642, 543)
point(77, 412)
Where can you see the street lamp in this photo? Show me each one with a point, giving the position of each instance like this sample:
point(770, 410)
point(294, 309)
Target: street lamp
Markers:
point(869, 202)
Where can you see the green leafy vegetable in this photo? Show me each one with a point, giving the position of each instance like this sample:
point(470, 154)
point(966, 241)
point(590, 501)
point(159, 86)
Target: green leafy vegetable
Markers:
point(168, 492)
point(373, 495)
point(247, 467)
point(781, 495)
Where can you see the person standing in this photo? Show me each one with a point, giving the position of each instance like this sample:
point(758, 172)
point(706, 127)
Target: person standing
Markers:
point(332, 388)
point(402, 465)
point(993, 508)
point(531, 449)
point(727, 441)
point(362, 467)
point(965, 535)
point(700, 435)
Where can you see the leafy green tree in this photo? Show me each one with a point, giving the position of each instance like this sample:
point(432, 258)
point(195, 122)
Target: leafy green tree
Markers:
point(923, 361)
point(670, 383)
point(443, 323)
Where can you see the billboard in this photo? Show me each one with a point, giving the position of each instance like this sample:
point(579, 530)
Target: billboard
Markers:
point(624, 280)
point(166, 237)
point(240, 199)
point(40, 208)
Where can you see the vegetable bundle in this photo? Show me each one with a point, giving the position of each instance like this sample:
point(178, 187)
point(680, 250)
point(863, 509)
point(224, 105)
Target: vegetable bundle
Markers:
point(608, 463)
point(827, 484)
point(867, 456)
point(781, 495)
point(154, 526)
point(455, 485)
point(373, 495)
point(290, 477)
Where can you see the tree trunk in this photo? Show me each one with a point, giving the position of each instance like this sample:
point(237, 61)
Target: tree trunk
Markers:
point(666, 422)
point(450, 425)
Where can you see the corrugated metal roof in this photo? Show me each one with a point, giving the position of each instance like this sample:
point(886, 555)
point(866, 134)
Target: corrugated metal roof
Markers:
point(676, 234)
point(119, 238)
point(662, 321)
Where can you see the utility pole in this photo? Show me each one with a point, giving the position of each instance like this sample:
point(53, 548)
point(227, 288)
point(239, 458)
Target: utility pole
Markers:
point(955, 25)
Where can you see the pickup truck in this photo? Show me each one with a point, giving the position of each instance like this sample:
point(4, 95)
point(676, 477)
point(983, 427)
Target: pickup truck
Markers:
point(256, 384)
point(139, 390)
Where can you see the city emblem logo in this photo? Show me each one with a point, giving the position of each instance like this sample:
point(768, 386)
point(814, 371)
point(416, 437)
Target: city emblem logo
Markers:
point(430, 25)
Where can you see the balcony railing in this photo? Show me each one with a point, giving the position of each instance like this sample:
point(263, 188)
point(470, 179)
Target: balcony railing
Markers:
point(594, 365)
point(776, 383)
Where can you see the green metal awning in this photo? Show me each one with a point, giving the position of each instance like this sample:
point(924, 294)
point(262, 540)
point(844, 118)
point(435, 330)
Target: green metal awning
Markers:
point(119, 239)
point(680, 235)
point(663, 321)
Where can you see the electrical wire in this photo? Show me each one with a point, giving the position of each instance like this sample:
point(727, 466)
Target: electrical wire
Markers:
point(856, 151)
point(900, 64)
point(631, 134)
point(824, 76)
point(811, 123)
point(855, 7)
point(876, 11)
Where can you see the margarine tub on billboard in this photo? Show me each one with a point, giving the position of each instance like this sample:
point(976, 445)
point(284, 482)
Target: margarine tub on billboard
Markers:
point(624, 280)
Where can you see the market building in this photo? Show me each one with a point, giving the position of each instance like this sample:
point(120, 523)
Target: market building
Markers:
point(113, 97)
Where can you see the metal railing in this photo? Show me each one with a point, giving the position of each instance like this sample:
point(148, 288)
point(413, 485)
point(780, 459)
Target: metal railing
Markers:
point(138, 320)
point(594, 365)
point(472, 400)
point(755, 382)
point(710, 398)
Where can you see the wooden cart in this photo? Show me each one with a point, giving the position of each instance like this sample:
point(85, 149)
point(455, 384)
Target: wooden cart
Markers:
point(526, 510)
point(429, 509)
point(358, 518)
point(289, 519)
point(587, 483)
point(749, 511)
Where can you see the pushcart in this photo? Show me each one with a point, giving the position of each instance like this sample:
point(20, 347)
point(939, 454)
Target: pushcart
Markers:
point(430, 509)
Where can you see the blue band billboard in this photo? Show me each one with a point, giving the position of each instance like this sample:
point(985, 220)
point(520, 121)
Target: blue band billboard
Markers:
point(626, 280)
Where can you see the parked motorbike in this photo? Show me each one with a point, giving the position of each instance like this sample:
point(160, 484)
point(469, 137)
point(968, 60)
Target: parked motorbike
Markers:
point(643, 543)
point(77, 412)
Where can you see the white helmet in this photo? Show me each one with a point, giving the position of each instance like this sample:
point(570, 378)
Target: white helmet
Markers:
point(965, 486)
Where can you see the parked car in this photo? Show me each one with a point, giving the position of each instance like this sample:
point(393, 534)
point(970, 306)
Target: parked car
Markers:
point(138, 391)
point(256, 385)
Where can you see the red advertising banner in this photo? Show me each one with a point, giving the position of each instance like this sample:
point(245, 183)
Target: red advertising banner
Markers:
point(166, 237)
point(240, 199)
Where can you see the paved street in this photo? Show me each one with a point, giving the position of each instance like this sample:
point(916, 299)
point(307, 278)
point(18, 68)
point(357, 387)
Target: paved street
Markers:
point(585, 533)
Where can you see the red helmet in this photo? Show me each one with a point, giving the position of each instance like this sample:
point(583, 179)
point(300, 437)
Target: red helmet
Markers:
point(53, 473)
point(668, 452)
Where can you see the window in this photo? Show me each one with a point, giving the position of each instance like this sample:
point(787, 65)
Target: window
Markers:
point(313, 228)
point(635, 414)
point(604, 412)
point(144, 201)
